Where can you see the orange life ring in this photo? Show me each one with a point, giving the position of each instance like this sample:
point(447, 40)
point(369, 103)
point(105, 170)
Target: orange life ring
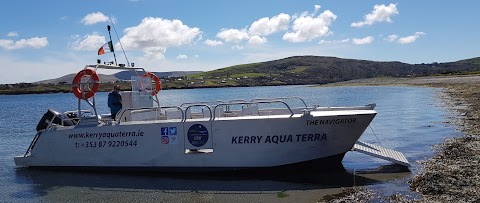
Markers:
point(158, 83)
point(76, 89)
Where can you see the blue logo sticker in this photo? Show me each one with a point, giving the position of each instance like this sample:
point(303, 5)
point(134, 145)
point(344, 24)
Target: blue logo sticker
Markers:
point(173, 130)
point(197, 135)
point(164, 131)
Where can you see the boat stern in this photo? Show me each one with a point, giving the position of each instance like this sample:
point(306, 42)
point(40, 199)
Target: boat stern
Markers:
point(23, 161)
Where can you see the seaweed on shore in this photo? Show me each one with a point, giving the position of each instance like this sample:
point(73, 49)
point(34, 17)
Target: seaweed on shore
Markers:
point(454, 173)
point(356, 194)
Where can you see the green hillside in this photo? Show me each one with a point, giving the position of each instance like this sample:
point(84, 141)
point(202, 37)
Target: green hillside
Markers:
point(297, 70)
point(471, 61)
point(316, 70)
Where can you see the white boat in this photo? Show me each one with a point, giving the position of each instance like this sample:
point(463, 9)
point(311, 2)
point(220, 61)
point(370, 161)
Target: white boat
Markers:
point(262, 133)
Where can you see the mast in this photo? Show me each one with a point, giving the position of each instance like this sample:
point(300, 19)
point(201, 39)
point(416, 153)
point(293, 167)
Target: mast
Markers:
point(111, 43)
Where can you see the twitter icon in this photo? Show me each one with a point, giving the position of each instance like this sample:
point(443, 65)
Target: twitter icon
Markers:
point(173, 130)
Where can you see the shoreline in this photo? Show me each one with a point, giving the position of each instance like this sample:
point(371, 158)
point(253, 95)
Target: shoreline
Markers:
point(453, 173)
point(444, 177)
point(66, 89)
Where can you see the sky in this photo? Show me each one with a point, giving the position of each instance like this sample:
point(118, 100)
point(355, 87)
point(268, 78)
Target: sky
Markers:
point(48, 39)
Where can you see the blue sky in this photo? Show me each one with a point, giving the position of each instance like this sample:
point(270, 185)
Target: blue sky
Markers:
point(48, 39)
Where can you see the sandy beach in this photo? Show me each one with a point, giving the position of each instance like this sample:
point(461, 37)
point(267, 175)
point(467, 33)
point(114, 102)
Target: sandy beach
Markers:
point(453, 174)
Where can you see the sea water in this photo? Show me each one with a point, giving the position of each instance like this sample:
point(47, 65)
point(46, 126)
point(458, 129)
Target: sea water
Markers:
point(409, 119)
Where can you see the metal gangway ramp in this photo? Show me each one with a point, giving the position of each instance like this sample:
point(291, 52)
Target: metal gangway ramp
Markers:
point(381, 153)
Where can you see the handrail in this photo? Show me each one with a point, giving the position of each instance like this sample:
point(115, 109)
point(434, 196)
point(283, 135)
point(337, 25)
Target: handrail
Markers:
point(227, 108)
point(200, 103)
point(278, 98)
point(32, 144)
point(209, 109)
point(257, 102)
point(111, 66)
point(152, 108)
point(237, 100)
point(106, 66)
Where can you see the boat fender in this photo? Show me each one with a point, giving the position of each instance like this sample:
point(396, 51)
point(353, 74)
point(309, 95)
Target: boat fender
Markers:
point(158, 83)
point(77, 81)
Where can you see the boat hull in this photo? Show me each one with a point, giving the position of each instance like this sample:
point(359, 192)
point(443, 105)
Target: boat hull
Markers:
point(315, 140)
point(326, 164)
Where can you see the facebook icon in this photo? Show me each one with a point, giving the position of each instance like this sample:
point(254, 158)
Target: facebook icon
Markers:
point(164, 131)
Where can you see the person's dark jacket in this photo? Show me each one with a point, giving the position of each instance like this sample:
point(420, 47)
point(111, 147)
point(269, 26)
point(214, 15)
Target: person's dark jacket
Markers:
point(114, 102)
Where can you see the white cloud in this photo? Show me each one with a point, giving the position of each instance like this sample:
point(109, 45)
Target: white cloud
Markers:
point(89, 42)
point(257, 40)
point(154, 53)
point(391, 38)
point(380, 13)
point(196, 56)
point(334, 41)
point(182, 57)
point(411, 38)
point(34, 42)
point(365, 40)
point(259, 28)
point(154, 35)
point(266, 26)
point(12, 34)
point(233, 35)
point(94, 18)
point(236, 46)
point(307, 27)
point(317, 8)
point(213, 43)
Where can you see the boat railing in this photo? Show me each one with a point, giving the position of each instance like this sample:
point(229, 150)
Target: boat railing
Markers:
point(236, 100)
point(280, 98)
point(187, 110)
point(202, 103)
point(122, 116)
point(208, 111)
point(252, 103)
point(228, 109)
point(32, 144)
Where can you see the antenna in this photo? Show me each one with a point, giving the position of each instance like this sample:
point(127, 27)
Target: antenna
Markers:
point(120, 42)
point(113, 50)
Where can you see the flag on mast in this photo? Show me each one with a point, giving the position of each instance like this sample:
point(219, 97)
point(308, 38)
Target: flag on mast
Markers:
point(107, 47)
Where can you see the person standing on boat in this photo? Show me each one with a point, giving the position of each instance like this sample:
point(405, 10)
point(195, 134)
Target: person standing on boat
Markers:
point(115, 101)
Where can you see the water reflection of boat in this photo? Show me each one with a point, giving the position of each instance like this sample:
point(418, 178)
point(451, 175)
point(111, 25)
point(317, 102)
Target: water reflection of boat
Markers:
point(239, 134)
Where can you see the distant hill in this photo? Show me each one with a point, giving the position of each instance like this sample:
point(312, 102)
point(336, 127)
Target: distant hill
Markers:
point(321, 69)
point(122, 75)
point(296, 70)
point(471, 61)
point(127, 75)
point(67, 79)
